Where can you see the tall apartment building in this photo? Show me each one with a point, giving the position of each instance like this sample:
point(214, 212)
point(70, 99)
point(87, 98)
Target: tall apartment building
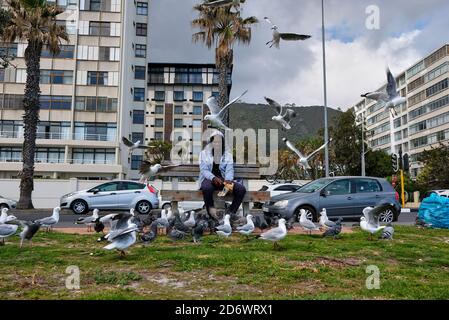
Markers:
point(423, 121)
point(88, 92)
point(175, 106)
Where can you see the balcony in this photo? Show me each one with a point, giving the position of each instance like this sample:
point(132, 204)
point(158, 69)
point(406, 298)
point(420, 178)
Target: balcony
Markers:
point(94, 137)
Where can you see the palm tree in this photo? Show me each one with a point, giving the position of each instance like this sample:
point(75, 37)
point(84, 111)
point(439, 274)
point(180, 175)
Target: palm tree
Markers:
point(35, 22)
point(221, 28)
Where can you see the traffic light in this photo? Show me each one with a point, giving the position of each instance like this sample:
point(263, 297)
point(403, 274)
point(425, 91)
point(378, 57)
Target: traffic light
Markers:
point(395, 162)
point(406, 162)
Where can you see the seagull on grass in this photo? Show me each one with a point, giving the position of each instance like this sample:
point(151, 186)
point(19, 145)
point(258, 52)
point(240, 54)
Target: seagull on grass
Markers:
point(7, 230)
point(30, 228)
point(335, 230)
point(123, 234)
point(304, 160)
point(248, 228)
point(276, 234)
point(50, 222)
point(306, 223)
point(190, 223)
point(89, 221)
point(387, 233)
point(370, 220)
point(324, 220)
point(225, 230)
point(283, 118)
point(391, 98)
point(216, 114)
point(5, 218)
point(134, 145)
point(149, 170)
point(278, 36)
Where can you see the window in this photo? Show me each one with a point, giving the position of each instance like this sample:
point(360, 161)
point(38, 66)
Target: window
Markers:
point(2, 75)
point(197, 110)
point(288, 188)
point(94, 131)
point(93, 156)
point(97, 78)
point(178, 110)
point(99, 28)
point(56, 102)
point(159, 95)
point(197, 123)
point(159, 110)
point(159, 123)
point(11, 129)
point(99, 104)
point(135, 162)
point(215, 94)
point(142, 8)
point(367, 185)
point(141, 50)
point(95, 5)
point(53, 130)
point(132, 186)
point(139, 94)
point(197, 96)
point(67, 52)
point(137, 136)
point(111, 186)
point(49, 155)
point(178, 95)
point(10, 154)
point(141, 29)
point(140, 72)
point(56, 77)
point(138, 117)
point(339, 187)
point(104, 53)
point(159, 136)
point(11, 101)
point(397, 123)
point(178, 123)
point(440, 86)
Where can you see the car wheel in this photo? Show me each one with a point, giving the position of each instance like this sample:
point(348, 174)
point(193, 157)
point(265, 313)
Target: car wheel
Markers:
point(166, 206)
point(4, 206)
point(143, 207)
point(310, 213)
point(387, 216)
point(80, 207)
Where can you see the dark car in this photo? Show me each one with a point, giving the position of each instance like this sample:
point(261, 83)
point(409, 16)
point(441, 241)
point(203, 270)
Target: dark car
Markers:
point(344, 197)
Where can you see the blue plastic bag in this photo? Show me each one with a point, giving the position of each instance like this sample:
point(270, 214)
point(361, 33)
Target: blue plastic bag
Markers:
point(434, 210)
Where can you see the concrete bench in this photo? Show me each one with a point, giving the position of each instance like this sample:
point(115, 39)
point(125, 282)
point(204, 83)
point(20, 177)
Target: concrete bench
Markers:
point(241, 172)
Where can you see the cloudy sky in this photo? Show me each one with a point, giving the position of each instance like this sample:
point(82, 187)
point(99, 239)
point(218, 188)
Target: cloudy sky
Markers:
point(356, 56)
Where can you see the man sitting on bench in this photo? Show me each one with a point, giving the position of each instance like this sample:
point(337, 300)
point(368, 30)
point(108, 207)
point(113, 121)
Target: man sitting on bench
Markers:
point(216, 170)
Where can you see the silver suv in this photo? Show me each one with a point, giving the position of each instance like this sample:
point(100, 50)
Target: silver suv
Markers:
point(115, 195)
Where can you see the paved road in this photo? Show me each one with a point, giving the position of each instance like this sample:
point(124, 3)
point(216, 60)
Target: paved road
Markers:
point(67, 218)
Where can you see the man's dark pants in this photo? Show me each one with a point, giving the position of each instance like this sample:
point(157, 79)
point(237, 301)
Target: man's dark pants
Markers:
point(208, 188)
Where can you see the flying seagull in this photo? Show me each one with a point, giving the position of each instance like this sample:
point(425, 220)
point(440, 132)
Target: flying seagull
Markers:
point(248, 228)
point(148, 170)
point(304, 160)
point(225, 230)
point(306, 223)
point(388, 232)
point(370, 220)
point(324, 220)
point(283, 118)
point(275, 234)
point(223, 3)
point(89, 221)
point(215, 116)
point(50, 222)
point(30, 228)
point(123, 234)
point(391, 98)
point(134, 145)
point(278, 36)
point(334, 231)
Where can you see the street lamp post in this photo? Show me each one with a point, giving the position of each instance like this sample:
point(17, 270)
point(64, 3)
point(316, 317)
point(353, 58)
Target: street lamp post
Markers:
point(326, 132)
point(363, 148)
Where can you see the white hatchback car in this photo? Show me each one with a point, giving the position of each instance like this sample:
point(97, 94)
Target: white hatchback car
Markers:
point(115, 195)
point(277, 189)
point(7, 203)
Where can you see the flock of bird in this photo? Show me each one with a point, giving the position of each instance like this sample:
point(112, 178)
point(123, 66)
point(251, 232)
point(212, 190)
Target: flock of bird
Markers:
point(125, 229)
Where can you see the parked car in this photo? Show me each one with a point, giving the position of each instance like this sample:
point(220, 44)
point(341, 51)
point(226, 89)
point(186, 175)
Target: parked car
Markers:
point(7, 203)
point(277, 189)
point(186, 205)
point(344, 197)
point(115, 195)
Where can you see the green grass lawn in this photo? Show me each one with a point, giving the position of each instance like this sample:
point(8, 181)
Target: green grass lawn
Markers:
point(414, 266)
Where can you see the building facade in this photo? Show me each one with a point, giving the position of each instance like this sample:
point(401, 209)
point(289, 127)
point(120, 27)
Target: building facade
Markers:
point(88, 92)
point(423, 121)
point(175, 106)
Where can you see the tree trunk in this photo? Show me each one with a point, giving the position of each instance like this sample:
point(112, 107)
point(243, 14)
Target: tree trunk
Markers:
point(224, 65)
point(30, 121)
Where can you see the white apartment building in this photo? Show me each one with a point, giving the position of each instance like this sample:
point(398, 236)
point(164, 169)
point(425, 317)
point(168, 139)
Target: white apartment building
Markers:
point(175, 107)
point(423, 121)
point(88, 92)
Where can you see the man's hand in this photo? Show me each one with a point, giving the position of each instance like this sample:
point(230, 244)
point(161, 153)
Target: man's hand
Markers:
point(217, 182)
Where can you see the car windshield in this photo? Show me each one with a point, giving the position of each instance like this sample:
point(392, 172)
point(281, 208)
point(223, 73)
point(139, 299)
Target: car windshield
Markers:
point(314, 185)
